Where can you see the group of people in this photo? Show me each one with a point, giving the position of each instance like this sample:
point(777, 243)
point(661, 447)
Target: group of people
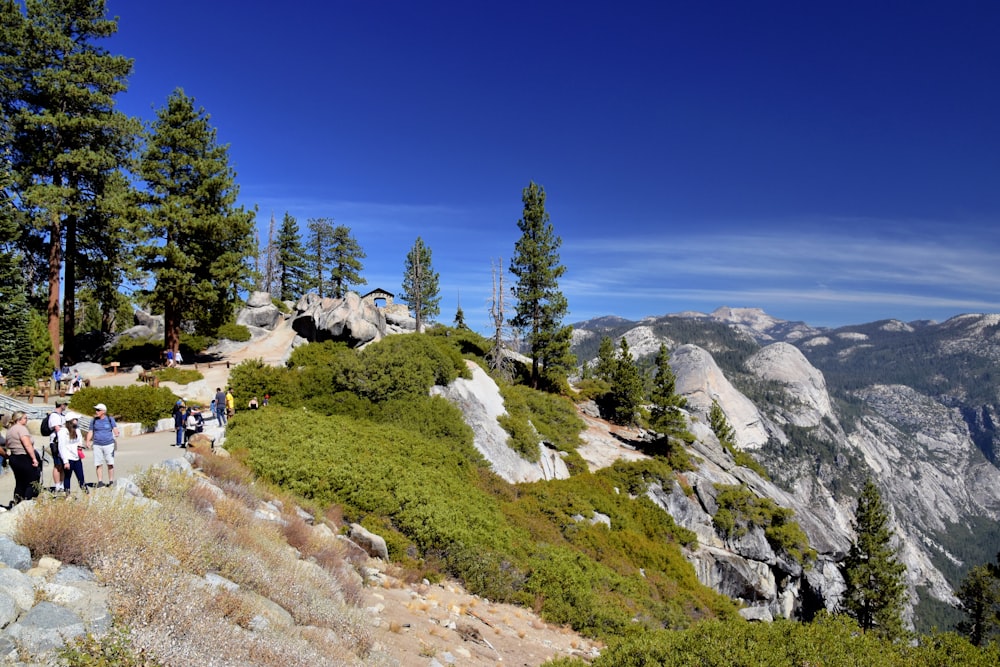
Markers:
point(66, 445)
point(188, 420)
point(223, 405)
point(172, 359)
point(64, 376)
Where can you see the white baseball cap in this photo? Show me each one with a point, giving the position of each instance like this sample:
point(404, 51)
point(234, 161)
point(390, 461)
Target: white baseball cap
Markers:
point(101, 406)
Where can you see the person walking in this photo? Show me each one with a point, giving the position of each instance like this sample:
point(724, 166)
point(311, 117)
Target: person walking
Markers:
point(25, 461)
point(56, 422)
point(220, 407)
point(70, 451)
point(101, 438)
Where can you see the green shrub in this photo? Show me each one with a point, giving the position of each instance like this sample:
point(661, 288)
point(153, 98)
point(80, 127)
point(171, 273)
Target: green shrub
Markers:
point(142, 404)
point(192, 345)
point(234, 332)
point(740, 508)
point(113, 649)
point(524, 439)
point(534, 416)
point(280, 305)
point(317, 354)
point(253, 377)
point(135, 351)
point(179, 375)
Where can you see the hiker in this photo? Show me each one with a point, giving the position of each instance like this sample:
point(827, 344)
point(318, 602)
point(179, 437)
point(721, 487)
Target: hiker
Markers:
point(179, 415)
point(190, 425)
point(24, 459)
point(220, 407)
point(230, 402)
point(102, 439)
point(253, 403)
point(56, 422)
point(71, 452)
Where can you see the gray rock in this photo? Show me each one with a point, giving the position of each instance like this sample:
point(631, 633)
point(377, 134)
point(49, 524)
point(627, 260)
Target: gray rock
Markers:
point(178, 464)
point(370, 542)
point(756, 614)
point(264, 317)
point(8, 609)
point(218, 581)
point(19, 586)
point(350, 319)
point(14, 555)
point(259, 300)
point(45, 627)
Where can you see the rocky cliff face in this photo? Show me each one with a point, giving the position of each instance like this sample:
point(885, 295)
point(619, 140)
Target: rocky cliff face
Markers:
point(914, 409)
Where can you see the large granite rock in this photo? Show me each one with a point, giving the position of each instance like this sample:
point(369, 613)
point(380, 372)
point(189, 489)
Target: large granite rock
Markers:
point(259, 312)
point(480, 401)
point(349, 319)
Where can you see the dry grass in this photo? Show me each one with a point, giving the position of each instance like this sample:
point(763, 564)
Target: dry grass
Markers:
point(153, 555)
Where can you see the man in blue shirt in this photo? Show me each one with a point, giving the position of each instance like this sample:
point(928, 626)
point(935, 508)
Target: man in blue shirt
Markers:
point(102, 435)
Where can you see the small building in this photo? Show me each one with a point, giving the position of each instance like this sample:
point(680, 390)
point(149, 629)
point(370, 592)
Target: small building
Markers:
point(378, 297)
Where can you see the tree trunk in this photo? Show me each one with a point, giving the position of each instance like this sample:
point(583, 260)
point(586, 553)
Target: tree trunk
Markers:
point(171, 327)
point(55, 265)
point(69, 293)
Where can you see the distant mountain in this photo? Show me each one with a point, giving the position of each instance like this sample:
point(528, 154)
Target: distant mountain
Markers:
point(913, 405)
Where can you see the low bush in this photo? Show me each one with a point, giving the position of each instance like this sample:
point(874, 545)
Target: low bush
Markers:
point(135, 351)
point(234, 332)
point(280, 305)
point(179, 375)
point(191, 345)
point(143, 404)
point(739, 509)
point(534, 416)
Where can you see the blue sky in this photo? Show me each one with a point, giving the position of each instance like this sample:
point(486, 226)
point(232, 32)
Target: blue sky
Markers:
point(831, 162)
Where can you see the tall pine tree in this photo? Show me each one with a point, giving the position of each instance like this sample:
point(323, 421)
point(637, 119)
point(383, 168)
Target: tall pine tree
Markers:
point(291, 260)
point(66, 136)
point(540, 305)
point(665, 414)
point(345, 262)
point(626, 386)
point(420, 284)
point(874, 577)
point(202, 243)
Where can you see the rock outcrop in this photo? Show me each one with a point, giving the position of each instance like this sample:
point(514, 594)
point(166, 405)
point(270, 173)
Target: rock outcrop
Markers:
point(480, 401)
point(259, 312)
point(349, 319)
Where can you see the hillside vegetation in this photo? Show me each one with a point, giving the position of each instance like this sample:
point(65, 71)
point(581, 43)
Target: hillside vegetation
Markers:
point(358, 431)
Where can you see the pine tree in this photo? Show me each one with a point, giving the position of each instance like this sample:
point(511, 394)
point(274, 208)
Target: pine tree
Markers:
point(540, 305)
point(606, 362)
point(626, 387)
point(979, 595)
point(345, 259)
point(665, 413)
point(459, 322)
point(63, 146)
point(720, 426)
point(420, 283)
point(202, 243)
point(874, 577)
point(291, 261)
point(320, 240)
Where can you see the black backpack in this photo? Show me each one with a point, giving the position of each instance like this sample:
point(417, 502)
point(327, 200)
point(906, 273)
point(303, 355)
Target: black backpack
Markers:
point(45, 428)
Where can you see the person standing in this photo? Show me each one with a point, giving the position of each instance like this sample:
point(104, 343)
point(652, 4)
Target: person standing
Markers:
point(24, 459)
point(230, 402)
point(56, 422)
point(70, 446)
point(220, 406)
point(101, 438)
point(178, 415)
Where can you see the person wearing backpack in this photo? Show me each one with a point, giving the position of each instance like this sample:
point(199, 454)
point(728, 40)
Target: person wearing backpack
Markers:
point(101, 438)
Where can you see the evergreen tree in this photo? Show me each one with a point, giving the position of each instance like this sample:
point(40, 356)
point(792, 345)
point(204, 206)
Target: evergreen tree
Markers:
point(202, 242)
point(874, 577)
point(291, 261)
point(540, 305)
point(320, 242)
point(665, 413)
point(66, 138)
point(979, 595)
point(459, 322)
point(420, 283)
point(606, 362)
point(626, 387)
point(720, 426)
point(345, 262)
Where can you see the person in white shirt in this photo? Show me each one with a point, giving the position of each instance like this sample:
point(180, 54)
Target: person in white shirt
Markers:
point(56, 421)
point(70, 451)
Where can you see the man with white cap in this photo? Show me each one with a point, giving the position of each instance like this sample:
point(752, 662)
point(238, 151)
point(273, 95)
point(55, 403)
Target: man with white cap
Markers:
point(101, 438)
